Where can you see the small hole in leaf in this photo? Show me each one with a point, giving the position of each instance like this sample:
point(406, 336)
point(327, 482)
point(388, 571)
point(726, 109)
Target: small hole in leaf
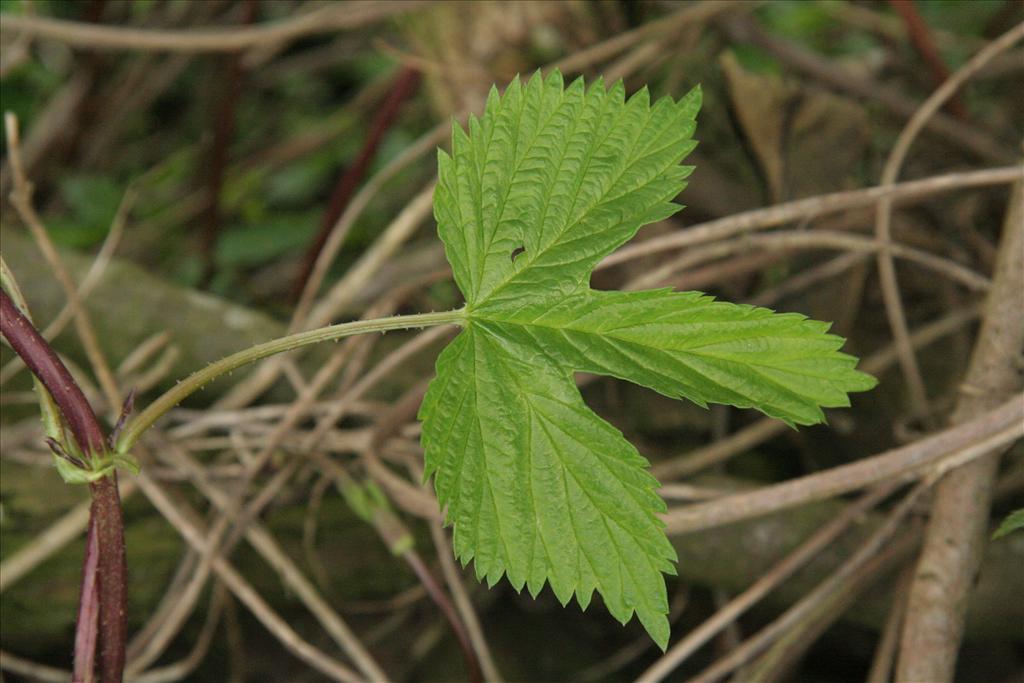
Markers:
point(516, 252)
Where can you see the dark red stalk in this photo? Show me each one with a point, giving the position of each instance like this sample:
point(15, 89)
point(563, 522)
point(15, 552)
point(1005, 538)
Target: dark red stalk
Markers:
point(392, 532)
point(404, 86)
point(440, 598)
point(106, 523)
point(216, 163)
point(921, 38)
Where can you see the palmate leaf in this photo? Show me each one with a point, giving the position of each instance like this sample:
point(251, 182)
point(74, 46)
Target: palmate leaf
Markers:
point(544, 185)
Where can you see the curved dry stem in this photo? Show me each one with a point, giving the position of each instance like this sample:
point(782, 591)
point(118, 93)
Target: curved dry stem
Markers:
point(176, 512)
point(21, 198)
point(806, 209)
point(883, 218)
point(950, 447)
point(957, 529)
point(817, 239)
point(728, 614)
point(92, 277)
point(87, 36)
point(841, 581)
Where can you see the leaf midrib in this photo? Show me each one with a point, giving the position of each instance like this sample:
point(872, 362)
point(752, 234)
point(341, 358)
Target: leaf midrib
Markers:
point(779, 409)
point(694, 350)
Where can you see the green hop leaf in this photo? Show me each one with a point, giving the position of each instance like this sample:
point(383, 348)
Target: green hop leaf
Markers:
point(545, 184)
point(1013, 521)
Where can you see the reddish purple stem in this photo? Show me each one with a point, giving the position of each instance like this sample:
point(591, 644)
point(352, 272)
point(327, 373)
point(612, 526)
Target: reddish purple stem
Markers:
point(404, 86)
point(106, 525)
point(86, 626)
point(224, 120)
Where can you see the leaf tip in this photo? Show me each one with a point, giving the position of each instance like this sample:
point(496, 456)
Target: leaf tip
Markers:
point(691, 102)
point(657, 628)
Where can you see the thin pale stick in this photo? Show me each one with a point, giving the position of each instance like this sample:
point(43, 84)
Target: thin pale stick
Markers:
point(816, 239)
point(174, 512)
point(104, 37)
point(827, 589)
point(91, 279)
point(263, 542)
point(883, 218)
point(469, 618)
point(974, 438)
point(727, 614)
point(812, 207)
point(21, 198)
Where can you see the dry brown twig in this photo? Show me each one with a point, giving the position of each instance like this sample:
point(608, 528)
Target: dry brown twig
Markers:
point(883, 219)
point(325, 19)
point(21, 198)
point(946, 449)
point(245, 525)
point(178, 513)
point(863, 564)
point(772, 579)
point(92, 277)
point(815, 239)
point(805, 209)
point(956, 533)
